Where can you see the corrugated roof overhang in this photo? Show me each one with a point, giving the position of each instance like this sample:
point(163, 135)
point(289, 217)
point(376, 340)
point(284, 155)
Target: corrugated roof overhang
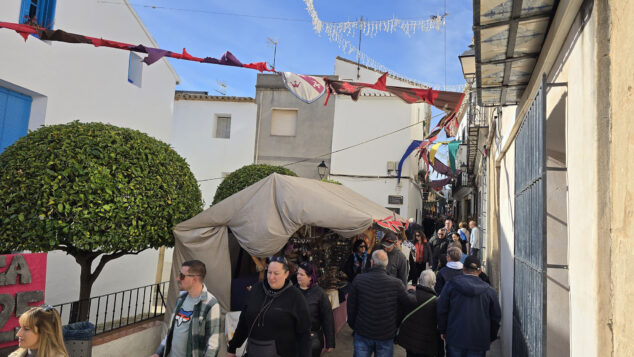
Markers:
point(509, 35)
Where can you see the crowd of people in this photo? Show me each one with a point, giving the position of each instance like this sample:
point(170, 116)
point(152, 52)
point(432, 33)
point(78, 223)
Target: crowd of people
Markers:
point(429, 296)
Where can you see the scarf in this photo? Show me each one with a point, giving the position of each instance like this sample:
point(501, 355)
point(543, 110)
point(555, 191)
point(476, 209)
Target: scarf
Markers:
point(359, 262)
point(419, 252)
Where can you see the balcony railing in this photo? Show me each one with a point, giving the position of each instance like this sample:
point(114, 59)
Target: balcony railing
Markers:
point(115, 310)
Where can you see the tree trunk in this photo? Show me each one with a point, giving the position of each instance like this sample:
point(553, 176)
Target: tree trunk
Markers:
point(81, 310)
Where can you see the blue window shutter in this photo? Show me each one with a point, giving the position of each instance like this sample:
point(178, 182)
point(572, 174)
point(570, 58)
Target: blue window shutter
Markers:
point(15, 109)
point(42, 11)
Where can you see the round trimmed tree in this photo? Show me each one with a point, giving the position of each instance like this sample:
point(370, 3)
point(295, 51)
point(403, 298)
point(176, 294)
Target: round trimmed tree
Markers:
point(245, 177)
point(92, 190)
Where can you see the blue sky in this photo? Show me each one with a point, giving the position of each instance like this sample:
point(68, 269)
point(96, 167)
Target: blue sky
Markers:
point(209, 28)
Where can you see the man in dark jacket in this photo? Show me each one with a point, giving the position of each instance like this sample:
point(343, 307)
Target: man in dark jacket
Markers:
point(373, 308)
point(452, 269)
point(397, 266)
point(468, 313)
point(438, 245)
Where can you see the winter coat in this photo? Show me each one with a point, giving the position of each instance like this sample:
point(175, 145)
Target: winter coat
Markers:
point(445, 274)
point(418, 333)
point(397, 265)
point(373, 304)
point(22, 352)
point(438, 248)
point(348, 267)
point(469, 313)
point(320, 310)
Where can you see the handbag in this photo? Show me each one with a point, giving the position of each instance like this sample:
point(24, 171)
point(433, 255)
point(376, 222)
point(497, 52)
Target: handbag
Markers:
point(259, 348)
point(410, 315)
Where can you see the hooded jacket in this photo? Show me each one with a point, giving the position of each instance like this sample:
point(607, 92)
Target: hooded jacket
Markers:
point(446, 273)
point(468, 313)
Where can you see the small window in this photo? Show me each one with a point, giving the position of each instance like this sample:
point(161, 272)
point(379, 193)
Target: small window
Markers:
point(38, 12)
point(284, 122)
point(223, 126)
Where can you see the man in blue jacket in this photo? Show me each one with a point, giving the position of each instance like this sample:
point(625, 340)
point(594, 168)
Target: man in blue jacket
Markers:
point(468, 313)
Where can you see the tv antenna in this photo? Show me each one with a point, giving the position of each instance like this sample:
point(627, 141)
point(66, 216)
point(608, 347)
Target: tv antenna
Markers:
point(274, 43)
point(223, 88)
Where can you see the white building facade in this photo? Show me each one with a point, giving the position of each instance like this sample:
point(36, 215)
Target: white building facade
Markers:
point(57, 83)
point(215, 134)
point(370, 168)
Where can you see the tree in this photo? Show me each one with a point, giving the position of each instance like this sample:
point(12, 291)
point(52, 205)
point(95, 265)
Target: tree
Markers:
point(245, 177)
point(92, 190)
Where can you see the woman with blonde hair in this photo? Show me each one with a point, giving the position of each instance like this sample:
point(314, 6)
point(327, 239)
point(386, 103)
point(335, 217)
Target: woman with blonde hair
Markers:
point(40, 334)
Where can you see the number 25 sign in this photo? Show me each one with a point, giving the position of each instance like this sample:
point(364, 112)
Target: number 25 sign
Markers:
point(22, 283)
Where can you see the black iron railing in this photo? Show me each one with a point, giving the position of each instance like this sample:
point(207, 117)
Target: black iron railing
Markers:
point(115, 310)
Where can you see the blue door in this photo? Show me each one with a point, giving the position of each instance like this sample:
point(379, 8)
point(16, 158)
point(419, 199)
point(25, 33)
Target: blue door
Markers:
point(15, 109)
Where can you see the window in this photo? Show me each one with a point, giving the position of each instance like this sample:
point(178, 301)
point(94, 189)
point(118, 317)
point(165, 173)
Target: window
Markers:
point(223, 126)
point(38, 12)
point(284, 122)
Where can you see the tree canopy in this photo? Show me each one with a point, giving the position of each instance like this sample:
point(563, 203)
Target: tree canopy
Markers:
point(91, 189)
point(245, 177)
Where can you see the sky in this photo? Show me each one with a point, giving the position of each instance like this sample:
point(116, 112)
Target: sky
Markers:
point(209, 28)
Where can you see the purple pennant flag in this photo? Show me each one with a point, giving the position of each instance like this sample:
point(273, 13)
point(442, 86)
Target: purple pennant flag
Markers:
point(153, 54)
point(437, 185)
point(227, 59)
point(443, 169)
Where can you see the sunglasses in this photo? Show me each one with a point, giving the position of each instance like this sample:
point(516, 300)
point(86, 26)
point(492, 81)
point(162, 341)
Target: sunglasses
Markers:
point(182, 276)
point(278, 259)
point(48, 308)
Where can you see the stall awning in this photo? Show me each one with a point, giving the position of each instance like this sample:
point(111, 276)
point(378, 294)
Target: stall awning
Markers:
point(509, 35)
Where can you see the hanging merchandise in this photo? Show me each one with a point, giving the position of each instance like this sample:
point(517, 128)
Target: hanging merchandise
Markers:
point(307, 88)
point(153, 54)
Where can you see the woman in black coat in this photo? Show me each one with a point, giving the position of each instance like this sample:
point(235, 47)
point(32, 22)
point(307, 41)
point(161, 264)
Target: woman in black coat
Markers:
point(421, 255)
point(321, 319)
point(418, 334)
point(359, 261)
point(275, 318)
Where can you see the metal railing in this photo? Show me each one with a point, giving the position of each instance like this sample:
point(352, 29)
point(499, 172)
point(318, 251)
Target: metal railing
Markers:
point(115, 310)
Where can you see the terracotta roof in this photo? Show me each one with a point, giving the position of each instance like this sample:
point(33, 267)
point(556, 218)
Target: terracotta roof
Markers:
point(203, 96)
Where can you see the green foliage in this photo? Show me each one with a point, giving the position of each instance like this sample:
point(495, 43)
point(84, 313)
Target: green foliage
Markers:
point(331, 181)
point(245, 177)
point(92, 188)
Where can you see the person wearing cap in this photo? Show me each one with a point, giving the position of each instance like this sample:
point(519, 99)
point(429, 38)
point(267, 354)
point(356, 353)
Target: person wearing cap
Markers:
point(452, 269)
point(373, 308)
point(468, 313)
point(397, 265)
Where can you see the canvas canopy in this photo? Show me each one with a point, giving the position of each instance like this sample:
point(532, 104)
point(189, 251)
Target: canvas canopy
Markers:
point(262, 217)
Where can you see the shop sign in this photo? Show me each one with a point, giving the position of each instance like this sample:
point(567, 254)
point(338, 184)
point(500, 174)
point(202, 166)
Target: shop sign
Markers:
point(395, 200)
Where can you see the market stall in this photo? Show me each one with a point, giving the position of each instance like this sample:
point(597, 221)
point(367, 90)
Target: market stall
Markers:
point(233, 236)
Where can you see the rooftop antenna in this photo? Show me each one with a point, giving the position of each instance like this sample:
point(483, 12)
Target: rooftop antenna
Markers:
point(359, 50)
point(223, 88)
point(274, 43)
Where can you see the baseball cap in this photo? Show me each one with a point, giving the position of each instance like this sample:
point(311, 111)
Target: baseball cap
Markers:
point(387, 242)
point(472, 262)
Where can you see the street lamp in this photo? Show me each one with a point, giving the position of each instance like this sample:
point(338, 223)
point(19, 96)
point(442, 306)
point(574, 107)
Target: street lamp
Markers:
point(468, 63)
point(322, 169)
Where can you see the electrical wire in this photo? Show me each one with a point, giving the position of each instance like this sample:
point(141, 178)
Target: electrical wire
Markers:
point(342, 149)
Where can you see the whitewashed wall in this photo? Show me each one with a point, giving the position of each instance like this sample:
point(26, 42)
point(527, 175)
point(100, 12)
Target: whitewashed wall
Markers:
point(81, 82)
point(368, 118)
point(209, 157)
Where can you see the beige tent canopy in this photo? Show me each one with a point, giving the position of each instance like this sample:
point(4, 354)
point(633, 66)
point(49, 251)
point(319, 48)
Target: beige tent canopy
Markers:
point(262, 217)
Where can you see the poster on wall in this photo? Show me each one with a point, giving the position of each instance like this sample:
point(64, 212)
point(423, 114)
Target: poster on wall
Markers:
point(22, 283)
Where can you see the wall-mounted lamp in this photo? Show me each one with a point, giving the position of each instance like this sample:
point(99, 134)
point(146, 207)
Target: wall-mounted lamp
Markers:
point(322, 170)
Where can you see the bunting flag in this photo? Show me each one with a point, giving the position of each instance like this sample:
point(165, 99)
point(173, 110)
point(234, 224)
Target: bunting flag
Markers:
point(449, 102)
point(453, 149)
point(153, 54)
point(306, 88)
point(392, 223)
point(437, 185)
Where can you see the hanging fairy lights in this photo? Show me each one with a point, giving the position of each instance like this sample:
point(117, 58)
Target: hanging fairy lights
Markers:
point(338, 31)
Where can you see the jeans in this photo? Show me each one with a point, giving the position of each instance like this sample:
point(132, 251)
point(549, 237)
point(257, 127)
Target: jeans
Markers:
point(475, 252)
point(363, 347)
point(460, 352)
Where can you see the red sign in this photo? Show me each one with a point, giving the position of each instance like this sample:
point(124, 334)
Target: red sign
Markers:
point(22, 284)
